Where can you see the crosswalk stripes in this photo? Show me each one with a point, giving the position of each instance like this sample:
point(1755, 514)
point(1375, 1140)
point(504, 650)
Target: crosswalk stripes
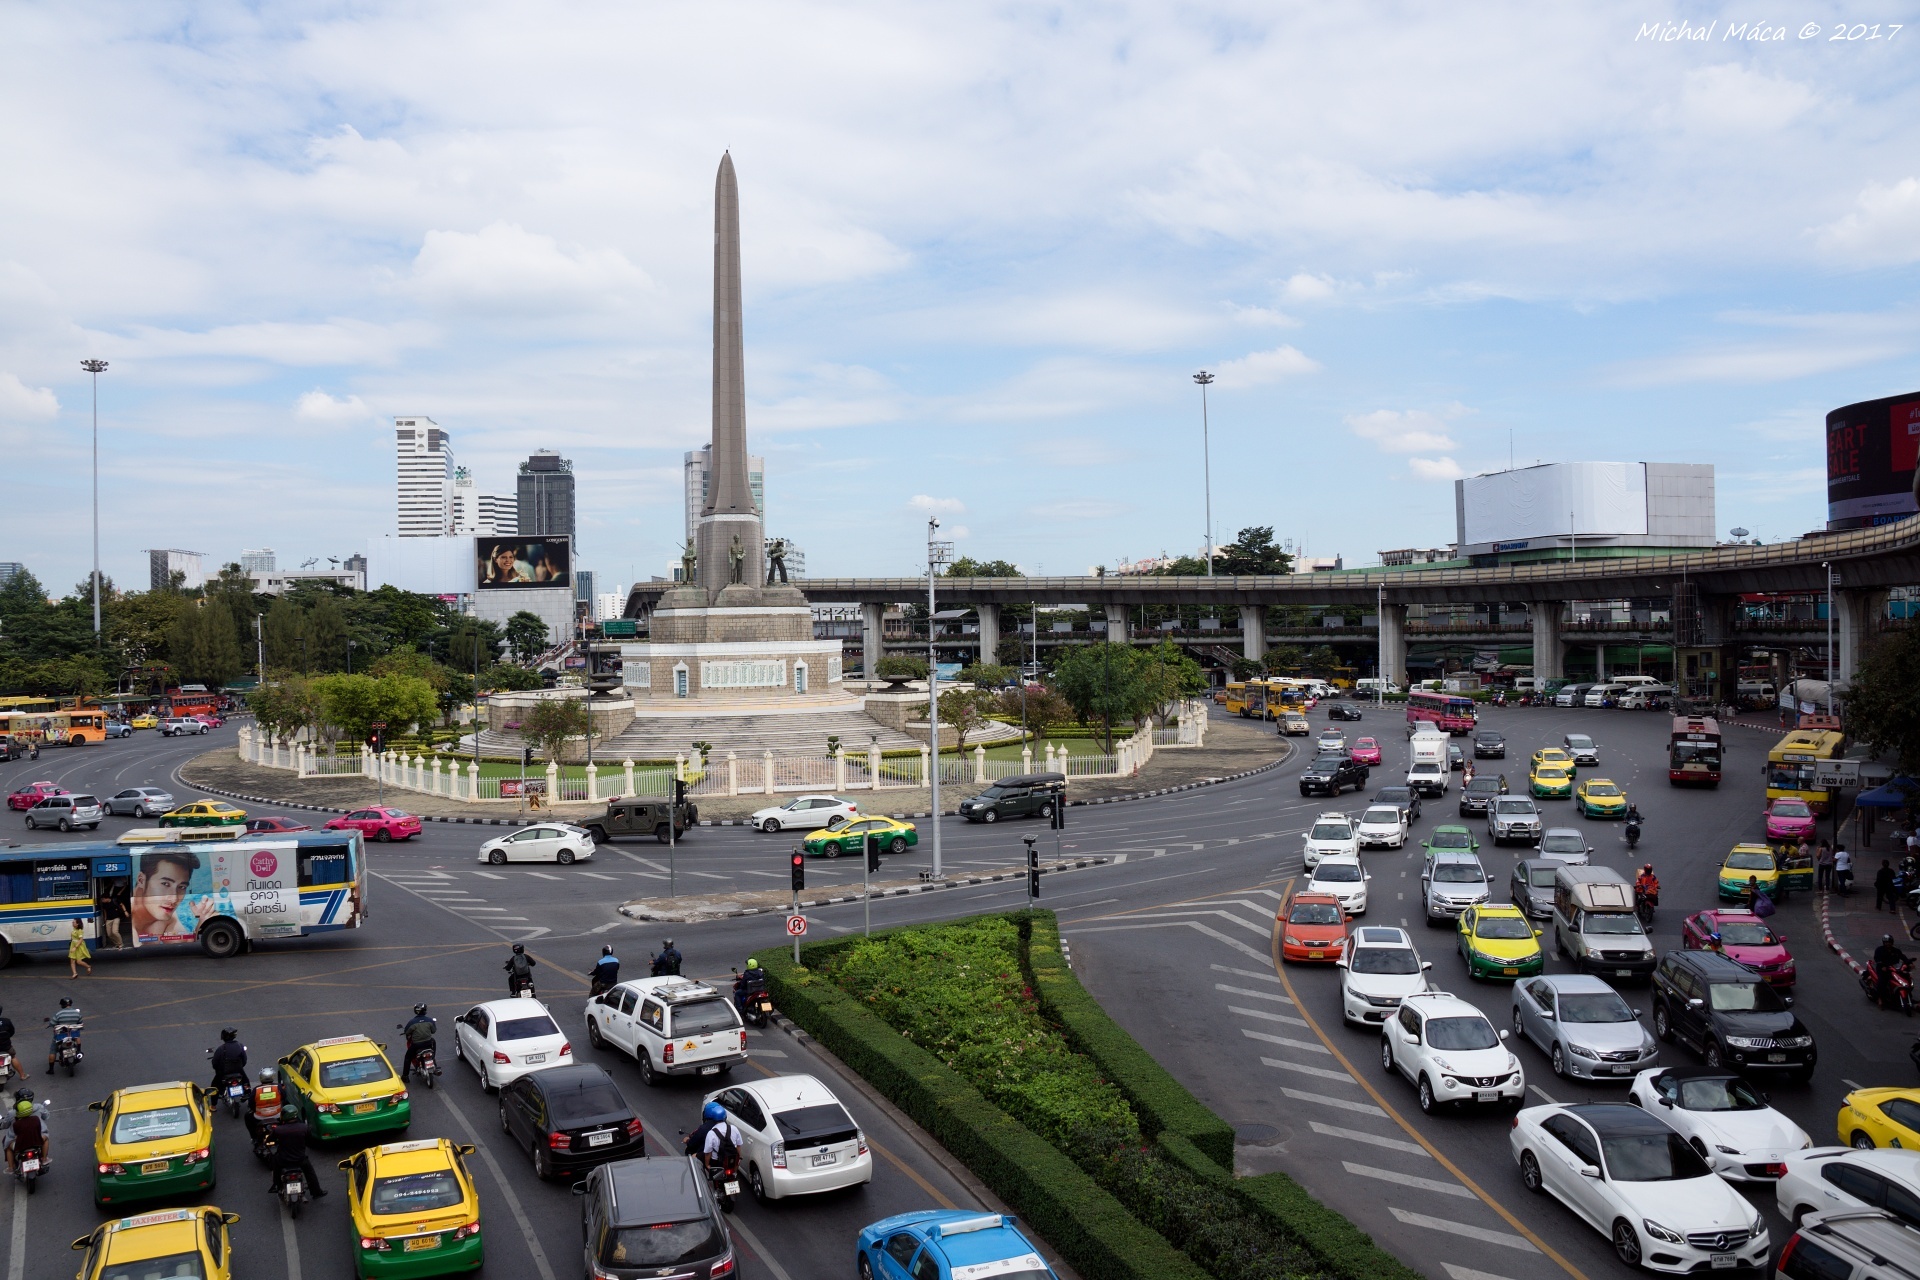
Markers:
point(1264, 1016)
point(1305, 1046)
point(1299, 1068)
point(440, 889)
point(1436, 1185)
point(1468, 1273)
point(1338, 1104)
point(1505, 1239)
point(1356, 1135)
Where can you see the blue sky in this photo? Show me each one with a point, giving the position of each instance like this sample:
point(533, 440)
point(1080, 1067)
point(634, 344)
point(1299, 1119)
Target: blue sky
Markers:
point(985, 248)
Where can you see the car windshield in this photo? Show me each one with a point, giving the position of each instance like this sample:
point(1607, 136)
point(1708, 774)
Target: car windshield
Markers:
point(1491, 739)
point(524, 1028)
point(1395, 796)
point(1338, 873)
point(1652, 1157)
point(1458, 873)
point(1329, 762)
point(175, 1266)
point(1521, 805)
point(1314, 913)
point(1550, 773)
point(1611, 922)
point(703, 1017)
point(662, 1244)
point(1331, 831)
point(1750, 862)
point(1791, 809)
point(1484, 786)
point(1602, 789)
point(151, 1126)
point(347, 1072)
point(1731, 1094)
point(1540, 877)
point(1450, 840)
point(1594, 1006)
point(1461, 1033)
point(1746, 934)
point(592, 1100)
point(1388, 960)
point(1504, 928)
point(416, 1193)
point(1381, 816)
point(1563, 844)
point(1579, 742)
point(1745, 997)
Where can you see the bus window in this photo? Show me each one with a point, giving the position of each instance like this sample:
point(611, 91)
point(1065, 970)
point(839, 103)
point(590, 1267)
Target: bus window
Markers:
point(323, 866)
point(60, 881)
point(1790, 775)
point(16, 882)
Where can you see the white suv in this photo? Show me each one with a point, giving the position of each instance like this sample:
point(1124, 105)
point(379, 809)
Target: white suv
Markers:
point(672, 1026)
point(1331, 836)
point(1378, 970)
point(1452, 882)
point(1383, 826)
point(1451, 1052)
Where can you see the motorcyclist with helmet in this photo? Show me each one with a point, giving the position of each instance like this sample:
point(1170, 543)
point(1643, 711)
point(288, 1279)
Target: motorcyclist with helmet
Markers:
point(668, 962)
point(67, 1025)
point(519, 967)
point(26, 1126)
point(717, 1141)
point(290, 1135)
point(419, 1033)
point(606, 971)
point(266, 1101)
point(749, 985)
point(229, 1058)
point(1647, 884)
point(1886, 957)
point(6, 1045)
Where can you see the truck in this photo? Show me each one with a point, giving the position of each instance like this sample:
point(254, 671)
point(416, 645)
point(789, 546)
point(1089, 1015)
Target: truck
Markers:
point(641, 816)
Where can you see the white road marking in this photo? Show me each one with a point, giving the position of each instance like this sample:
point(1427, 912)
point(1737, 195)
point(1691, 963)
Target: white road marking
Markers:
point(1468, 1273)
point(1371, 1139)
point(767, 1053)
point(542, 875)
point(753, 1242)
point(506, 1188)
point(1502, 1238)
point(1544, 1095)
point(1339, 1104)
point(1322, 1073)
point(1264, 1016)
point(1257, 995)
point(1195, 925)
point(595, 875)
point(1408, 1180)
point(1268, 976)
point(489, 875)
point(1849, 1083)
point(17, 1246)
point(501, 910)
point(1306, 1046)
point(291, 1243)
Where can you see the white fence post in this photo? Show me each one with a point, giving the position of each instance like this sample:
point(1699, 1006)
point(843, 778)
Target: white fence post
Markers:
point(926, 779)
point(873, 766)
point(1026, 757)
point(593, 784)
point(766, 776)
point(840, 771)
point(627, 782)
point(553, 782)
point(979, 764)
point(733, 774)
point(473, 781)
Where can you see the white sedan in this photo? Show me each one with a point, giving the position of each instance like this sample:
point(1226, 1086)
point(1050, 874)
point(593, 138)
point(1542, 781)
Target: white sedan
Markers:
point(799, 1138)
point(1635, 1180)
point(1331, 836)
point(806, 813)
point(1383, 826)
point(548, 842)
point(1726, 1119)
point(503, 1040)
point(1345, 879)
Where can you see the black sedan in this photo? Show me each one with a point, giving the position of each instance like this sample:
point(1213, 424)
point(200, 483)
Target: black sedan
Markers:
point(1342, 711)
point(570, 1118)
point(1488, 745)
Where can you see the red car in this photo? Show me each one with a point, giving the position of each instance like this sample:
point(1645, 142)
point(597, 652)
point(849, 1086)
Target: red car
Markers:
point(33, 793)
point(272, 826)
point(1789, 818)
point(1365, 751)
point(1316, 928)
point(212, 722)
point(1745, 938)
point(378, 824)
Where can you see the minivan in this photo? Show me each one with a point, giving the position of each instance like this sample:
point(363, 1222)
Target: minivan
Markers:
point(1597, 695)
point(1594, 925)
point(1024, 795)
point(1572, 695)
point(66, 813)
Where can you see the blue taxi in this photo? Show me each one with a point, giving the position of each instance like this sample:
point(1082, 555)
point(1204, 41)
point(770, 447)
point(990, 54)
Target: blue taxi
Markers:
point(950, 1244)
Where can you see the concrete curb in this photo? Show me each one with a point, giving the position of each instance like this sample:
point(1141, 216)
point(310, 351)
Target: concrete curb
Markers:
point(1833, 943)
point(1065, 864)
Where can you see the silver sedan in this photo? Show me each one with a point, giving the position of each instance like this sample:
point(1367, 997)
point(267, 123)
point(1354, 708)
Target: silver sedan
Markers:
point(1583, 1026)
point(140, 802)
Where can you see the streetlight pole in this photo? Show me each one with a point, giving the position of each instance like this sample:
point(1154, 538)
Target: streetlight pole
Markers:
point(938, 553)
point(1827, 566)
point(96, 368)
point(1205, 380)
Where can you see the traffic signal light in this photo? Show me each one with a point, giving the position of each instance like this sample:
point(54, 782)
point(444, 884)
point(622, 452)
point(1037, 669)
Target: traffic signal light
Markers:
point(799, 870)
point(1060, 811)
point(873, 854)
point(374, 742)
point(526, 757)
point(1033, 868)
point(679, 792)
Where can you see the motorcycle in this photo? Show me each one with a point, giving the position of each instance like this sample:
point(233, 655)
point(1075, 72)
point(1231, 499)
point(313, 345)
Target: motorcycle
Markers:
point(290, 1185)
point(1900, 982)
point(423, 1064)
point(518, 984)
point(9, 1068)
point(1633, 835)
point(755, 1005)
point(232, 1089)
point(66, 1048)
point(264, 1147)
point(726, 1183)
point(1643, 905)
point(29, 1163)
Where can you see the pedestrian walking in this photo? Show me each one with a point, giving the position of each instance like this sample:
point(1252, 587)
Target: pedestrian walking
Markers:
point(1883, 887)
point(1842, 869)
point(1823, 866)
point(77, 953)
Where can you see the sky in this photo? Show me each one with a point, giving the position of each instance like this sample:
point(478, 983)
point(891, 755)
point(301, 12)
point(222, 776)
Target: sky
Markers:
point(985, 248)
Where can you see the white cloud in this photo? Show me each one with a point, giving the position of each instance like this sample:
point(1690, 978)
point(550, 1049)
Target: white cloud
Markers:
point(18, 400)
point(1435, 468)
point(1884, 227)
point(1303, 287)
point(507, 267)
point(1259, 367)
point(321, 407)
point(936, 506)
point(342, 341)
point(1401, 431)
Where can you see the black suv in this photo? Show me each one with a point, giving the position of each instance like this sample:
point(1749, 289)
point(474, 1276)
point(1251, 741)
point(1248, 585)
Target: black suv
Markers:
point(1405, 799)
point(1730, 1015)
point(1342, 711)
point(652, 1217)
point(1488, 745)
point(1025, 795)
point(1331, 774)
point(1478, 794)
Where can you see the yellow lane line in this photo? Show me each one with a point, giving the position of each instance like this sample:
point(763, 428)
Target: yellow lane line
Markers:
point(1380, 1100)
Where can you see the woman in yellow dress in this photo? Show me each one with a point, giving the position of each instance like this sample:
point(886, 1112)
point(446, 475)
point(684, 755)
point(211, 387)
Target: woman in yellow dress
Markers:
point(77, 953)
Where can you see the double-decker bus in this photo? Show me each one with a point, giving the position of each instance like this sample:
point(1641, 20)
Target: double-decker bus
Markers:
point(55, 728)
point(1693, 752)
point(1447, 711)
point(1790, 765)
point(163, 893)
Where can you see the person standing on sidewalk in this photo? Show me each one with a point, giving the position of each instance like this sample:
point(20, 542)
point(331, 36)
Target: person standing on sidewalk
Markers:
point(1883, 887)
point(1842, 869)
point(1823, 865)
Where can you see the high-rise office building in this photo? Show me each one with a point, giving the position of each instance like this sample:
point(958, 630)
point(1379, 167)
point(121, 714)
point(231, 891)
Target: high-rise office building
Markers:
point(544, 497)
point(583, 585)
point(426, 478)
point(9, 570)
point(163, 564)
point(698, 463)
point(479, 513)
point(260, 561)
point(610, 604)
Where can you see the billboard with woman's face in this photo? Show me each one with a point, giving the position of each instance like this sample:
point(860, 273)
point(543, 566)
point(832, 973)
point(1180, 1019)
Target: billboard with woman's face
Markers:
point(523, 562)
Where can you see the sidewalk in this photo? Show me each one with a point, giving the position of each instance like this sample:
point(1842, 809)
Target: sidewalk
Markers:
point(1850, 926)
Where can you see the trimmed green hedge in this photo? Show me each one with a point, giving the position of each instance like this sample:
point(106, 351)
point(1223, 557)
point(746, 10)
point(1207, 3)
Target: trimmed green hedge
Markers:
point(1162, 1103)
point(1092, 1230)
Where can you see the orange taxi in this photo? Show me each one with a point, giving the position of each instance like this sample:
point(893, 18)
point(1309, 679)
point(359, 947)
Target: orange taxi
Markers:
point(1313, 928)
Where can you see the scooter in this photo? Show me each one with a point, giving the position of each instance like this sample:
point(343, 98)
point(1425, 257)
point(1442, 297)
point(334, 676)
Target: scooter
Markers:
point(232, 1089)
point(290, 1185)
point(755, 1005)
point(423, 1064)
point(29, 1163)
point(1643, 905)
point(726, 1183)
point(66, 1047)
point(9, 1068)
point(1633, 835)
point(1900, 981)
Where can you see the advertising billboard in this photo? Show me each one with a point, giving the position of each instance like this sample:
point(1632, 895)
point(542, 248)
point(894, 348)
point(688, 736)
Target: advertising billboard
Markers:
point(509, 563)
point(1871, 449)
point(1588, 498)
point(175, 887)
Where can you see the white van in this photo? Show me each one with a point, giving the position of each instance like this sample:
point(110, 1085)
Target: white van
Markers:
point(1634, 680)
point(1597, 695)
point(1594, 924)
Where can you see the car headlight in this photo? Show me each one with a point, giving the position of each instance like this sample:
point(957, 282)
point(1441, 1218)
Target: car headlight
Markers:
point(1294, 942)
point(1581, 1051)
point(1725, 1151)
point(1796, 1042)
point(1748, 1042)
point(1659, 1232)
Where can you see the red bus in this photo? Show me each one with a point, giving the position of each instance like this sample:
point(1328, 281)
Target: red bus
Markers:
point(1693, 752)
point(1448, 711)
point(191, 700)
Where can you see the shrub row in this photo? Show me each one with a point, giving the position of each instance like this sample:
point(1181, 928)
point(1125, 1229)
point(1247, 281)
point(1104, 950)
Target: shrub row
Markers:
point(1092, 1230)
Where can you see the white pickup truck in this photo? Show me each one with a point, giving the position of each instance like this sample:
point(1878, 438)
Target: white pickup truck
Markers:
point(672, 1026)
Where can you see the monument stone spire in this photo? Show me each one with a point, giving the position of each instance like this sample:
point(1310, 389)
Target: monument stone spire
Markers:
point(729, 511)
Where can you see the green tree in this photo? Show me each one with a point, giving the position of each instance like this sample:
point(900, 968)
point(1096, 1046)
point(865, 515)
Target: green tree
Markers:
point(1284, 658)
point(1252, 552)
point(504, 676)
point(1882, 705)
point(285, 707)
point(137, 623)
point(965, 711)
point(1104, 683)
point(283, 633)
point(968, 567)
point(473, 644)
point(526, 636)
point(326, 633)
point(988, 675)
point(354, 703)
point(205, 645)
point(1170, 676)
point(552, 721)
point(1245, 669)
point(896, 665)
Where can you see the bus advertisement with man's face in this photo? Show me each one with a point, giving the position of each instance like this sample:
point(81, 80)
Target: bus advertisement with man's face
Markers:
point(175, 888)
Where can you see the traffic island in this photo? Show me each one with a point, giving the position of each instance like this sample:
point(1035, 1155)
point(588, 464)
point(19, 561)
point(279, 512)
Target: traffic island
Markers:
point(691, 908)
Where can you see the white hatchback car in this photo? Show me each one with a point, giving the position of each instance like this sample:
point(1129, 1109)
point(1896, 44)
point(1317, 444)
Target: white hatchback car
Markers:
point(1378, 970)
point(1345, 879)
point(1727, 1120)
point(548, 842)
point(1382, 826)
point(799, 1138)
point(503, 1040)
point(1451, 1052)
point(806, 813)
point(1331, 836)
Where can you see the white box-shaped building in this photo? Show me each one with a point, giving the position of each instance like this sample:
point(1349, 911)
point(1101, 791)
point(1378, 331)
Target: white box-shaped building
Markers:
point(1593, 504)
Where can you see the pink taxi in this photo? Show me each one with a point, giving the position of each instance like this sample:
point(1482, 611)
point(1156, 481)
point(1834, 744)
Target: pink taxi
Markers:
point(1789, 818)
point(1365, 751)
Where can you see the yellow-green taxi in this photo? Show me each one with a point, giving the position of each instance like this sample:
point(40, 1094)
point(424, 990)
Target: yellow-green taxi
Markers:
point(414, 1209)
point(1600, 798)
point(345, 1087)
point(145, 720)
point(1498, 941)
point(1746, 861)
point(1881, 1118)
point(851, 837)
point(152, 1140)
point(1554, 756)
point(203, 813)
point(173, 1242)
point(1550, 781)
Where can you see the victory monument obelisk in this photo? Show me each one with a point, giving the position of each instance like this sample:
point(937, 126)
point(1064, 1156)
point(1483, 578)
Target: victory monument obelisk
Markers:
point(728, 537)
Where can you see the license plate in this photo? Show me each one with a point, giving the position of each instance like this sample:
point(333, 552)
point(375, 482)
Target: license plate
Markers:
point(361, 1108)
point(1623, 973)
point(710, 1071)
point(33, 1166)
point(731, 1188)
point(418, 1243)
point(1488, 1095)
point(1725, 1261)
point(536, 1057)
point(233, 1091)
point(1776, 1057)
point(829, 1158)
point(1621, 1071)
point(154, 1166)
point(1510, 971)
point(1316, 955)
point(599, 1139)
